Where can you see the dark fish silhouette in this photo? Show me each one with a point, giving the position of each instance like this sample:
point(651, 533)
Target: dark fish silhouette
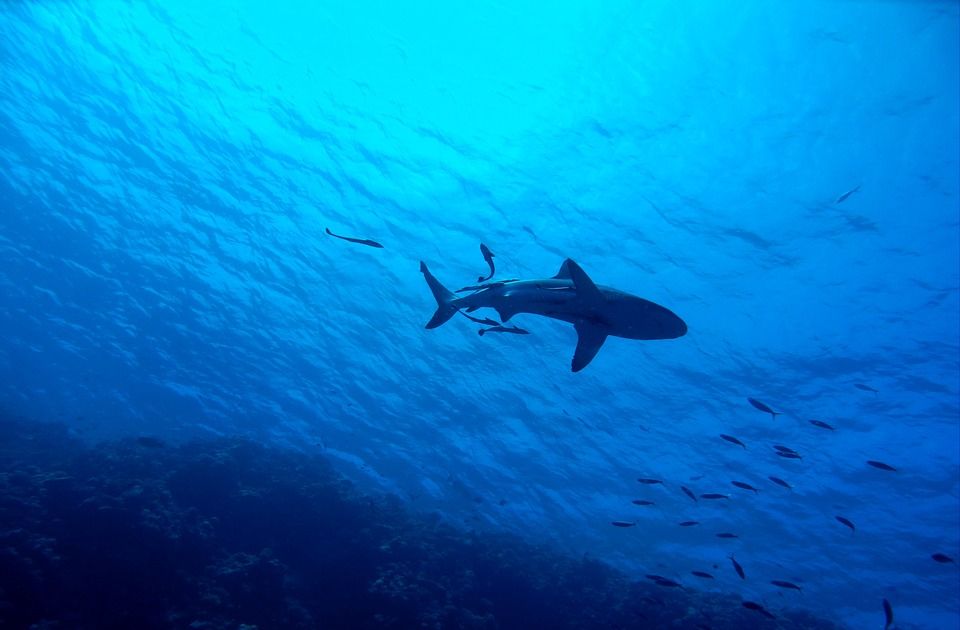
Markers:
point(486, 321)
point(358, 241)
point(689, 523)
point(847, 522)
point(733, 440)
point(764, 408)
point(648, 481)
point(744, 486)
point(780, 482)
point(887, 613)
point(668, 583)
point(847, 194)
point(727, 535)
point(821, 424)
point(689, 493)
point(787, 455)
point(654, 577)
point(150, 442)
point(714, 495)
point(881, 465)
point(623, 523)
point(784, 449)
point(642, 502)
point(503, 329)
point(942, 558)
point(702, 574)
point(738, 568)
point(489, 285)
point(487, 256)
point(783, 584)
point(760, 609)
point(866, 388)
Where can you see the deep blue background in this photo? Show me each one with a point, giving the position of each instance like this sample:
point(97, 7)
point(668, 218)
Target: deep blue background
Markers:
point(167, 171)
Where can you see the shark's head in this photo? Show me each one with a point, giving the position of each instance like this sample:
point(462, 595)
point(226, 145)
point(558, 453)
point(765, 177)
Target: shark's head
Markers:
point(636, 318)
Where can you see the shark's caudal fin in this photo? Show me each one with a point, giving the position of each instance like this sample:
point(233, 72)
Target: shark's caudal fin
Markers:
point(444, 298)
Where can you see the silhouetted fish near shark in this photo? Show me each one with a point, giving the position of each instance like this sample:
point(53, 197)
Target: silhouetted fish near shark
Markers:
point(689, 523)
point(648, 481)
point(359, 241)
point(762, 407)
point(887, 614)
point(866, 388)
point(643, 502)
point(821, 424)
point(738, 568)
point(714, 495)
point(847, 194)
point(487, 256)
point(744, 486)
point(702, 574)
point(760, 609)
point(780, 482)
point(848, 523)
point(689, 493)
point(623, 523)
point(942, 558)
point(596, 312)
point(503, 329)
point(784, 584)
point(881, 465)
point(733, 440)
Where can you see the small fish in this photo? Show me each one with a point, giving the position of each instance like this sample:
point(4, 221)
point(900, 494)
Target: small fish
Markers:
point(642, 502)
point(487, 256)
point(847, 522)
point(783, 584)
point(654, 577)
point(503, 329)
point(668, 583)
point(780, 482)
point(881, 465)
point(649, 481)
point(150, 442)
point(764, 408)
point(942, 558)
point(887, 613)
point(702, 574)
point(760, 609)
point(727, 535)
point(738, 568)
point(623, 523)
point(689, 523)
point(486, 321)
point(847, 194)
point(733, 440)
point(821, 424)
point(789, 455)
point(359, 241)
point(689, 493)
point(866, 388)
point(714, 495)
point(744, 486)
point(785, 449)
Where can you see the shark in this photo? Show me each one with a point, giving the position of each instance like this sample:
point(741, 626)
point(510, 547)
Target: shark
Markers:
point(596, 312)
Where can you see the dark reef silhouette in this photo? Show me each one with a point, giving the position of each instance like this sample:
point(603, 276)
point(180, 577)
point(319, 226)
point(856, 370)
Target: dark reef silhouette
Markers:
point(229, 533)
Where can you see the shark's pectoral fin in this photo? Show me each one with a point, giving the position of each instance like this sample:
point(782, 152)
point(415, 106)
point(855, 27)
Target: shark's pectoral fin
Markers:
point(505, 313)
point(590, 339)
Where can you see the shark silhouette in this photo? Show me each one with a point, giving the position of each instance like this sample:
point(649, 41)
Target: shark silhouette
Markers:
point(596, 312)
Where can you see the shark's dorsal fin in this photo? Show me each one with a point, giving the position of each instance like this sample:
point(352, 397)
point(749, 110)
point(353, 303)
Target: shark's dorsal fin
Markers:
point(586, 289)
point(564, 273)
point(589, 340)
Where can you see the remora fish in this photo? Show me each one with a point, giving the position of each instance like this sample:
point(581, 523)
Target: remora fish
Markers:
point(881, 465)
point(847, 194)
point(821, 424)
point(359, 241)
point(503, 329)
point(596, 312)
point(487, 256)
point(733, 440)
point(848, 523)
point(780, 482)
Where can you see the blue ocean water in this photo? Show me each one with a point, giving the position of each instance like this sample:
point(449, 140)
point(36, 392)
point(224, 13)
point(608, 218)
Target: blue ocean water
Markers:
point(167, 171)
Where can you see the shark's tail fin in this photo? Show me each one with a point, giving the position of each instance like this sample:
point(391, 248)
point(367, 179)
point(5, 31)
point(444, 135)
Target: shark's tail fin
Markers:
point(444, 298)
